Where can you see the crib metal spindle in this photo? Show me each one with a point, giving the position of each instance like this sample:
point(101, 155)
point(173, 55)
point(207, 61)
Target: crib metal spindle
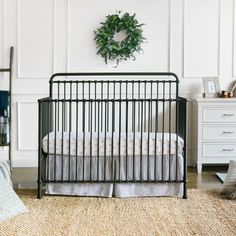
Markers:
point(77, 131)
point(156, 130)
point(105, 141)
point(170, 131)
point(95, 104)
point(70, 114)
point(145, 112)
point(62, 140)
point(55, 138)
point(177, 132)
point(58, 98)
point(139, 106)
point(120, 134)
point(134, 162)
point(126, 144)
point(83, 129)
point(98, 140)
point(48, 159)
point(163, 133)
point(113, 172)
point(91, 141)
point(141, 145)
point(148, 156)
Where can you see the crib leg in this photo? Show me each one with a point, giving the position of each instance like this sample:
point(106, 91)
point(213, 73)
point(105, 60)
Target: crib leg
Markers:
point(185, 196)
point(39, 190)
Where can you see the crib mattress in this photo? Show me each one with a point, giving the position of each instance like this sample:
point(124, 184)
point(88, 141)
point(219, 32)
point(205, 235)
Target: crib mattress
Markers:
point(92, 144)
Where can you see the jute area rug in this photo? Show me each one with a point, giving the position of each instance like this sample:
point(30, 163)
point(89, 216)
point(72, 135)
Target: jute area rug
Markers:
point(203, 213)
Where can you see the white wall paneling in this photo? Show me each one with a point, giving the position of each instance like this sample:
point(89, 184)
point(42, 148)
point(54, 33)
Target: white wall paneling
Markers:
point(169, 35)
point(81, 47)
point(35, 38)
point(193, 38)
point(60, 35)
point(234, 38)
point(226, 45)
point(10, 32)
point(201, 38)
point(176, 36)
point(1, 47)
point(1, 34)
point(27, 113)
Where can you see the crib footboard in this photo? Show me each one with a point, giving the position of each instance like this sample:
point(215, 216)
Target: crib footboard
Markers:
point(112, 131)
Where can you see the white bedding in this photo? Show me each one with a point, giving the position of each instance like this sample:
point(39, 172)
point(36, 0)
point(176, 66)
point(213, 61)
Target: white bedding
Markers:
point(70, 140)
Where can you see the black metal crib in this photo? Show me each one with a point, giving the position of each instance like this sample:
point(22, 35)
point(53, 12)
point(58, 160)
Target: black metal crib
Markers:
point(112, 128)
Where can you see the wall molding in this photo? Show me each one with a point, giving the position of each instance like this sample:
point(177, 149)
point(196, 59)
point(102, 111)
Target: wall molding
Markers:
point(168, 50)
point(53, 37)
point(20, 76)
point(67, 35)
point(234, 41)
point(184, 42)
point(3, 31)
point(169, 36)
point(19, 145)
point(2, 35)
point(219, 38)
point(183, 37)
point(13, 24)
point(25, 162)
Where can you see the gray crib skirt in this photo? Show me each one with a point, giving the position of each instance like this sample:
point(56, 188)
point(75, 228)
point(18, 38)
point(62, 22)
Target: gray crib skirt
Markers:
point(116, 189)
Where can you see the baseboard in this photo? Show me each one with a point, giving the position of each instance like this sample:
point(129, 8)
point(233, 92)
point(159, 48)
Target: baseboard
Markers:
point(25, 186)
point(24, 162)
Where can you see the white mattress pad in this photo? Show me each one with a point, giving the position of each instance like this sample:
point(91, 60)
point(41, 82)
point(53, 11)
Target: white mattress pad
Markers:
point(94, 144)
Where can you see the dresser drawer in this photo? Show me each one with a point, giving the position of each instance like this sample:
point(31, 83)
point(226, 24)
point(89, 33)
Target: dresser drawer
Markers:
point(219, 150)
point(219, 132)
point(219, 115)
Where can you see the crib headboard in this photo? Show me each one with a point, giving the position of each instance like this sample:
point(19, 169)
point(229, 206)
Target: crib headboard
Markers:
point(151, 96)
point(121, 85)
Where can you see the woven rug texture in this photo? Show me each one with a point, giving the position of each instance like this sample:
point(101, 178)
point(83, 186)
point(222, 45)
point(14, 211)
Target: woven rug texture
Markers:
point(203, 213)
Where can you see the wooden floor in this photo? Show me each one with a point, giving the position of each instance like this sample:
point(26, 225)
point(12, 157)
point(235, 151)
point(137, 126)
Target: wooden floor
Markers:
point(207, 179)
point(27, 178)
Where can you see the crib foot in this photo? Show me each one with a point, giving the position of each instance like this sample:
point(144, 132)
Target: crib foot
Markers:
point(185, 196)
point(39, 196)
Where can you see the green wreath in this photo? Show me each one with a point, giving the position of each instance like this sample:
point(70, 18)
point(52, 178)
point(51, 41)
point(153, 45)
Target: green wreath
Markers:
point(111, 49)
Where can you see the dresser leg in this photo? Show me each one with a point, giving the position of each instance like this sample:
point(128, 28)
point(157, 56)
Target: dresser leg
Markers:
point(199, 168)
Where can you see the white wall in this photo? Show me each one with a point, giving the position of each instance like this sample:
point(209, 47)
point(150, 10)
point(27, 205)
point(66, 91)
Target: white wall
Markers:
point(193, 38)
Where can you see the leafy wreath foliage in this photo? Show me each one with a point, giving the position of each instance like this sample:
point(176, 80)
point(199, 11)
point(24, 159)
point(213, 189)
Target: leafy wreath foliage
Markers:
point(112, 50)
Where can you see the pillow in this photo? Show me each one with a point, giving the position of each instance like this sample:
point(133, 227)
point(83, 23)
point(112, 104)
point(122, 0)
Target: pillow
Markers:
point(10, 204)
point(231, 175)
point(229, 186)
point(5, 171)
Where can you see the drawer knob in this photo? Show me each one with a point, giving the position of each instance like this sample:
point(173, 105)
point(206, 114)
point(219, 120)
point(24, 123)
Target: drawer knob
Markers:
point(227, 149)
point(228, 132)
point(228, 114)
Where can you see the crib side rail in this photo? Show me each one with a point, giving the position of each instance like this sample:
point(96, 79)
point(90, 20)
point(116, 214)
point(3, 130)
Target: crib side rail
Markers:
point(182, 132)
point(142, 118)
point(44, 128)
point(182, 116)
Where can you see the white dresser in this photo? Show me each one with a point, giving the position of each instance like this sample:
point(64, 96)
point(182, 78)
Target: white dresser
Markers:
point(214, 131)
